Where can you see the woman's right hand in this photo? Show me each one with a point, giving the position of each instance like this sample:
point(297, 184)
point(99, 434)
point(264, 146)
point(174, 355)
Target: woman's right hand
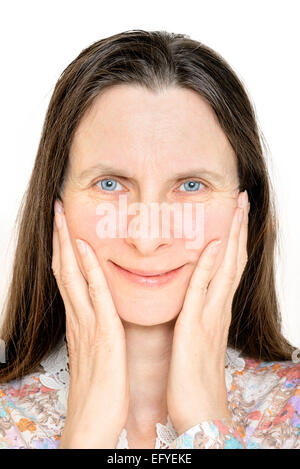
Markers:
point(99, 389)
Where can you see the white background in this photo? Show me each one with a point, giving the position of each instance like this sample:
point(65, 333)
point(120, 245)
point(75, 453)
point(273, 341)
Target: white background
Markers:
point(259, 38)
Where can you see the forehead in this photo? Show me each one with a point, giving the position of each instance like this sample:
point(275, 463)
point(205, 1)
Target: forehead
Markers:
point(133, 124)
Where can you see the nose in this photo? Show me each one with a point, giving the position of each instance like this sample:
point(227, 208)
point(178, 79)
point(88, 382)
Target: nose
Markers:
point(149, 229)
point(146, 246)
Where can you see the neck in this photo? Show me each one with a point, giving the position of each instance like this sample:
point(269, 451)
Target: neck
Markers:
point(148, 357)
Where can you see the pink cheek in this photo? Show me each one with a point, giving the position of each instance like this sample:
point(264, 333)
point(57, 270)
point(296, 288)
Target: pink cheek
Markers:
point(212, 222)
point(217, 224)
point(82, 224)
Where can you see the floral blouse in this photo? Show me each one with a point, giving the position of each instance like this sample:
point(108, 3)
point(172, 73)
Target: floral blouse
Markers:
point(264, 399)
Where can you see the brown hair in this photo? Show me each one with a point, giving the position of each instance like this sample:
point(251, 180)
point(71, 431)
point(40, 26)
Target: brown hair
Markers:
point(34, 315)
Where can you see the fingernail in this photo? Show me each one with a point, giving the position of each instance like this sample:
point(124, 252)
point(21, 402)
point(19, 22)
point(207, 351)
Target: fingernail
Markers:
point(242, 199)
point(58, 206)
point(81, 246)
point(215, 246)
point(58, 220)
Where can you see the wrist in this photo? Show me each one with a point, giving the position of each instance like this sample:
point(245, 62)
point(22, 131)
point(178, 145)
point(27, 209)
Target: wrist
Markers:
point(198, 418)
point(83, 441)
point(85, 435)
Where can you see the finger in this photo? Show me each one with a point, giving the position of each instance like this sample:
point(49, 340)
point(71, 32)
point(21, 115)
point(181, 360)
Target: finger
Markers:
point(224, 279)
point(56, 266)
point(70, 276)
point(242, 255)
point(196, 293)
point(98, 289)
point(242, 249)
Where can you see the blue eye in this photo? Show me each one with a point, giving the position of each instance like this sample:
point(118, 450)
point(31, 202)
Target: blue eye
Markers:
point(192, 185)
point(110, 184)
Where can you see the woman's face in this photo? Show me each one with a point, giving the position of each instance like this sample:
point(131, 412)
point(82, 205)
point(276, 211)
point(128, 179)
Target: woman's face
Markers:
point(160, 148)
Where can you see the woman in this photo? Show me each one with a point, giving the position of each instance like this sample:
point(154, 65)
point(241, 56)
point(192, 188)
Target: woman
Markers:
point(103, 348)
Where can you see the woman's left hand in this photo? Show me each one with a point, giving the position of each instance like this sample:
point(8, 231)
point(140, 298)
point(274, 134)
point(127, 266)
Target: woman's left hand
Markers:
point(196, 388)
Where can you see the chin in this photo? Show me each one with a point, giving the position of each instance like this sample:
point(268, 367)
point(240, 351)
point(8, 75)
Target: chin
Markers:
point(148, 323)
point(147, 306)
point(143, 314)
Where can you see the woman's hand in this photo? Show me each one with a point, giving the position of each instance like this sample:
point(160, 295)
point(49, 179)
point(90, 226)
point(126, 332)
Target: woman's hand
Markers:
point(99, 390)
point(196, 382)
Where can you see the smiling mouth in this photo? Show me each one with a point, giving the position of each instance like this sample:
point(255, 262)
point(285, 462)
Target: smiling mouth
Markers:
point(142, 273)
point(148, 279)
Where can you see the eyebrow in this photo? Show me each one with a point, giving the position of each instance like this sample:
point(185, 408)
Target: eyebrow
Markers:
point(102, 168)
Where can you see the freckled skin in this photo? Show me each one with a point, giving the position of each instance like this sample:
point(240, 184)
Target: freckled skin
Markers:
point(153, 136)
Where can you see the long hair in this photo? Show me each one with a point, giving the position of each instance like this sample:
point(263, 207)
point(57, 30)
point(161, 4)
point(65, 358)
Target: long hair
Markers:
point(34, 313)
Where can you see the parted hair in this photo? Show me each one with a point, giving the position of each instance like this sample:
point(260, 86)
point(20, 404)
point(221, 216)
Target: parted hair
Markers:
point(33, 312)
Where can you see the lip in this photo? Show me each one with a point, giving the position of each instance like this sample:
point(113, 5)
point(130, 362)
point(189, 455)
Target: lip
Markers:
point(148, 279)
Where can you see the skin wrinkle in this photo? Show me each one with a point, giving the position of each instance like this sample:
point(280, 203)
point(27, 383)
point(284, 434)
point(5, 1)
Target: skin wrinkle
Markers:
point(152, 136)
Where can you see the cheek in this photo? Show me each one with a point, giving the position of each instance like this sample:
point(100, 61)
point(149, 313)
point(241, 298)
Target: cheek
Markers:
point(82, 223)
point(218, 220)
